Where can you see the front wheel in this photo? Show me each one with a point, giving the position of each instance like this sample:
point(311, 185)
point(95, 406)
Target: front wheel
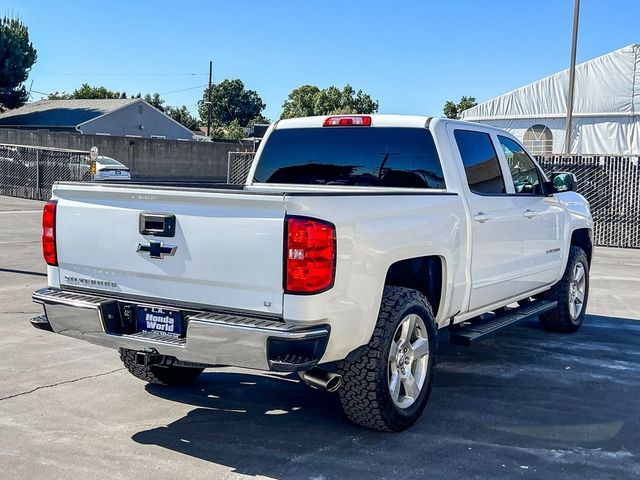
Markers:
point(387, 387)
point(571, 293)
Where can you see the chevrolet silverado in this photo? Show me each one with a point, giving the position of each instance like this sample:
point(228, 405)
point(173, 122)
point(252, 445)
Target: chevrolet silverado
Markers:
point(355, 239)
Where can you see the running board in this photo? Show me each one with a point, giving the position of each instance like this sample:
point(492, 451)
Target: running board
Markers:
point(481, 329)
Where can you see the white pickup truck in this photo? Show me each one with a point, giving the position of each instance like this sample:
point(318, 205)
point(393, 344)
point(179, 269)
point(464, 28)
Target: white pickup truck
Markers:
point(355, 239)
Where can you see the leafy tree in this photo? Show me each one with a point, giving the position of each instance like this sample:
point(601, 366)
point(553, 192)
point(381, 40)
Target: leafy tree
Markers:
point(58, 96)
point(300, 102)
point(454, 110)
point(17, 56)
point(230, 101)
point(86, 91)
point(259, 119)
point(183, 116)
point(155, 101)
point(309, 100)
point(232, 131)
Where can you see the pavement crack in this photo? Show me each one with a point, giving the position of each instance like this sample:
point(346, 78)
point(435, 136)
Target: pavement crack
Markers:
point(64, 382)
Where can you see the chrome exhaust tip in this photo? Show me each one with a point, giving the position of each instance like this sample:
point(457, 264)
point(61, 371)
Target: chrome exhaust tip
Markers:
point(321, 379)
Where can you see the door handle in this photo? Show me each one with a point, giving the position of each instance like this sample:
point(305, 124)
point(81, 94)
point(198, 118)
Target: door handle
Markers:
point(157, 224)
point(529, 214)
point(481, 217)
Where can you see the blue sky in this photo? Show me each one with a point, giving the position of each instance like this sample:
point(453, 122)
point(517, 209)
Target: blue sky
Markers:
point(409, 55)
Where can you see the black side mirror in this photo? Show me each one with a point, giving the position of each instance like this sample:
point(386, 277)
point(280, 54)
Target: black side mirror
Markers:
point(564, 181)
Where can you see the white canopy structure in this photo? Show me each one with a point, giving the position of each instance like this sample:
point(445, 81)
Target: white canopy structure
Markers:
point(606, 113)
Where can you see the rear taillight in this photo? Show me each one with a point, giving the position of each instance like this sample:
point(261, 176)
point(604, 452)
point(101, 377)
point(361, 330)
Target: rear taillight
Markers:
point(49, 233)
point(348, 121)
point(310, 255)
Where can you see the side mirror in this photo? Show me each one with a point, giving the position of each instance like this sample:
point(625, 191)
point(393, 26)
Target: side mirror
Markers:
point(564, 181)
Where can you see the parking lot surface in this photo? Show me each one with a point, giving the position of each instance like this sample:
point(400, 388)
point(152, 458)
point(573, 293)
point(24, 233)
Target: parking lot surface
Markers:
point(524, 404)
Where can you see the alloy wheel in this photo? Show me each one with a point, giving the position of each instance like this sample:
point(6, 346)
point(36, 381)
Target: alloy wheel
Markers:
point(408, 361)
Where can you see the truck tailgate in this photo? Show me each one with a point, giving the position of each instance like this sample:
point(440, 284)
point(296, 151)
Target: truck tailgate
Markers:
point(228, 244)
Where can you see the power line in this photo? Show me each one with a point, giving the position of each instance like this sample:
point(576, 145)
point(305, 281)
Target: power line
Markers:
point(183, 90)
point(122, 74)
point(163, 93)
point(179, 106)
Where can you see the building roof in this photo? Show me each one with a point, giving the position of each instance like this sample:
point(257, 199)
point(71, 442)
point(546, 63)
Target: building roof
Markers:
point(605, 86)
point(62, 113)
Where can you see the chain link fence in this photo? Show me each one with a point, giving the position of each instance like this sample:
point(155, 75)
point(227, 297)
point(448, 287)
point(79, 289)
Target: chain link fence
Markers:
point(238, 166)
point(611, 184)
point(30, 172)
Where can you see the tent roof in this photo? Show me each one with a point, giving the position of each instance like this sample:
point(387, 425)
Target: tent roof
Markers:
point(605, 86)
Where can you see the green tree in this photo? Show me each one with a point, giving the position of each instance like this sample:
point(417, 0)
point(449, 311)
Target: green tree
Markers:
point(230, 101)
point(300, 102)
point(17, 56)
point(155, 101)
point(259, 119)
point(182, 115)
point(86, 91)
point(58, 96)
point(454, 110)
point(330, 101)
point(309, 100)
point(232, 131)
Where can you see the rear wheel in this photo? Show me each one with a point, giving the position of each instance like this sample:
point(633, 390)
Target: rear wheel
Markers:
point(571, 293)
point(387, 387)
point(159, 374)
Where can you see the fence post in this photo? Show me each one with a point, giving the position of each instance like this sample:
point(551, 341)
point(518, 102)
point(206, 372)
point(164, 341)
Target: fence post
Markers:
point(37, 192)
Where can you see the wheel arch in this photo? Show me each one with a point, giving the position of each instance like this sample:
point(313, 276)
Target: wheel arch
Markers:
point(424, 274)
point(583, 238)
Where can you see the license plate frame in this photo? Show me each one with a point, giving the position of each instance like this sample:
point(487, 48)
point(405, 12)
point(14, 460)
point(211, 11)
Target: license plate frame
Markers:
point(159, 320)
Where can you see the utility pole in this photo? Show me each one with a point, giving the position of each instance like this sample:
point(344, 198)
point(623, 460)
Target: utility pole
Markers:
point(209, 100)
point(572, 79)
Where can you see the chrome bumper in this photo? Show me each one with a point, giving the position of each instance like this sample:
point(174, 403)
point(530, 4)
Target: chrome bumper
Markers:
point(211, 338)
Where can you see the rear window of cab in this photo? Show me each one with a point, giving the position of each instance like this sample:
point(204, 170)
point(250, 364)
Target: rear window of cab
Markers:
point(351, 156)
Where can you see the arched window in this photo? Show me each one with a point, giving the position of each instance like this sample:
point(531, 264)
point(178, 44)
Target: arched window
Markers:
point(538, 139)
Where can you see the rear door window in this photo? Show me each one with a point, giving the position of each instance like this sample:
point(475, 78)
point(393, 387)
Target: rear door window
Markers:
point(358, 156)
point(480, 161)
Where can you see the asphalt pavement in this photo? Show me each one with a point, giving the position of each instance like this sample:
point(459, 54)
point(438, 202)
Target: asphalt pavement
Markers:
point(524, 404)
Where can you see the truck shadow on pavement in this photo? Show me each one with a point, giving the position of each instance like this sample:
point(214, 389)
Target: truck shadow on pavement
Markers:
point(561, 405)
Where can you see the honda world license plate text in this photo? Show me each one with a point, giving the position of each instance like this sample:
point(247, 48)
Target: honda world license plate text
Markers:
point(159, 320)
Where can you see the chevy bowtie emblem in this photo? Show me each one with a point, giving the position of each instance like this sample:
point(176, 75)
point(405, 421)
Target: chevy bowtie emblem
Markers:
point(157, 249)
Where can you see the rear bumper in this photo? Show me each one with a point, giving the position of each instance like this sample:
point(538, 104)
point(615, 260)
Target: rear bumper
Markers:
point(212, 338)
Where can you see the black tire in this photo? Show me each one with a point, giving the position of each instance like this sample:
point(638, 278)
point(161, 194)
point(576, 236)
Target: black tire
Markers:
point(365, 395)
point(561, 319)
point(157, 374)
